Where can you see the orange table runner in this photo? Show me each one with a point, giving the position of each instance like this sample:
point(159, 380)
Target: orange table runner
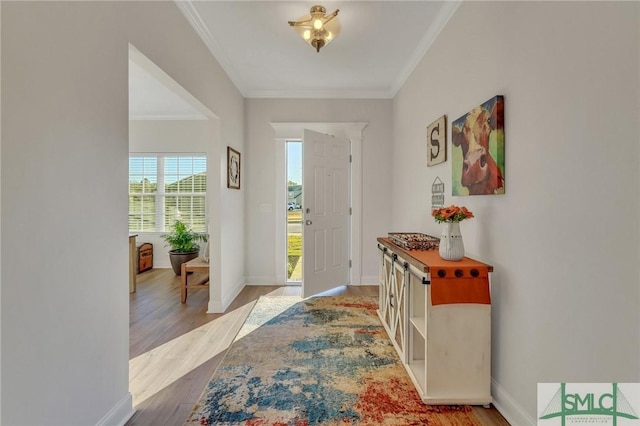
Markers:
point(464, 281)
point(451, 284)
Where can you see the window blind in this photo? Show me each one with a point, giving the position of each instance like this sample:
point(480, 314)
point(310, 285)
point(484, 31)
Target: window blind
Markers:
point(164, 188)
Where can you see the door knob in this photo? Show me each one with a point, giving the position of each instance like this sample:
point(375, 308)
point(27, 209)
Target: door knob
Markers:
point(308, 222)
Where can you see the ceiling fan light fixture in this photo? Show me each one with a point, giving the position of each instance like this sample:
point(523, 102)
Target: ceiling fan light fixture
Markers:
point(317, 28)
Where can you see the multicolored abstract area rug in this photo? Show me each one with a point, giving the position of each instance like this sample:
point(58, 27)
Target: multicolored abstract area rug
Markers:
point(318, 361)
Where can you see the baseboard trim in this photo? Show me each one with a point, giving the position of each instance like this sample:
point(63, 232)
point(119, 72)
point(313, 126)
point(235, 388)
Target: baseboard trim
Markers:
point(120, 414)
point(236, 291)
point(269, 280)
point(215, 307)
point(220, 306)
point(371, 280)
point(261, 280)
point(508, 407)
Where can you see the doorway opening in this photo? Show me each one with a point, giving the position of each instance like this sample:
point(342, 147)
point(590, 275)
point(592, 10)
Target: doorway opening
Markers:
point(170, 134)
point(294, 212)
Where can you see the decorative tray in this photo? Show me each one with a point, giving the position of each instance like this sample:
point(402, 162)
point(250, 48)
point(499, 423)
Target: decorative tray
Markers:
point(414, 240)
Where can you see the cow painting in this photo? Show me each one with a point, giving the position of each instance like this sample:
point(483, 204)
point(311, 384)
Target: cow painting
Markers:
point(478, 166)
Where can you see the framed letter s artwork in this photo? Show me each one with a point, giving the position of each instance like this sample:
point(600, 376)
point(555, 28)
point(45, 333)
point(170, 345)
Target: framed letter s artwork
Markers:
point(233, 168)
point(437, 141)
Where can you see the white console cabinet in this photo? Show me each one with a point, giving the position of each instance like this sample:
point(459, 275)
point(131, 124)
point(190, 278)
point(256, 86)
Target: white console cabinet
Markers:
point(445, 348)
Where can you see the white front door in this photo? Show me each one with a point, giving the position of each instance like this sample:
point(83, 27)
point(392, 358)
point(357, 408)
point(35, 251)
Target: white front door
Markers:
point(326, 218)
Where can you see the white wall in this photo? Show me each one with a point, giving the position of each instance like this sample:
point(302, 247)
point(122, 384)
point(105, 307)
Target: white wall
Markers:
point(64, 247)
point(564, 239)
point(167, 136)
point(0, 211)
point(261, 183)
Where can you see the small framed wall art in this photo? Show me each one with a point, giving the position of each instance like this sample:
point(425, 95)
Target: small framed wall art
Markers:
point(437, 141)
point(233, 168)
point(437, 194)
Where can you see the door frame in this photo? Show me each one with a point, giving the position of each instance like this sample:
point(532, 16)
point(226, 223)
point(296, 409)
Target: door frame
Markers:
point(294, 131)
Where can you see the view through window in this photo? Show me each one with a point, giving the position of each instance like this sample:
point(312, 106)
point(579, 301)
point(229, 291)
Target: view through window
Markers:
point(294, 211)
point(163, 188)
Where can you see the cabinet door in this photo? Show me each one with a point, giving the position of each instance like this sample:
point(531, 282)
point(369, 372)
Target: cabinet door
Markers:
point(385, 291)
point(382, 276)
point(399, 306)
point(382, 280)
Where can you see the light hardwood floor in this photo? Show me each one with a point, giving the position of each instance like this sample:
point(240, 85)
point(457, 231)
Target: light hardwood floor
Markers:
point(175, 348)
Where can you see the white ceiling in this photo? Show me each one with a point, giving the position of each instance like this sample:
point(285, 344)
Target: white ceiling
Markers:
point(151, 99)
point(380, 44)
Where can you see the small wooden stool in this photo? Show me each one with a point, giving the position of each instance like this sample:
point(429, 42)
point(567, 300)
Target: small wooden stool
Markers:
point(197, 264)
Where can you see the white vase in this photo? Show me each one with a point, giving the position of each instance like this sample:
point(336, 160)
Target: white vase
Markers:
point(451, 245)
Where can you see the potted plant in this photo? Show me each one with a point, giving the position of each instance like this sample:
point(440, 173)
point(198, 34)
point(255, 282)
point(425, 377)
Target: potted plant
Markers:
point(184, 244)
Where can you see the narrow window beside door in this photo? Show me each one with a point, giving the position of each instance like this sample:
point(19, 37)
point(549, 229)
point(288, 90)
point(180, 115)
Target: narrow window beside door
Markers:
point(294, 211)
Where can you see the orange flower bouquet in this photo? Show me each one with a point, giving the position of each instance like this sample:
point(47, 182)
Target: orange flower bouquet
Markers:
point(451, 214)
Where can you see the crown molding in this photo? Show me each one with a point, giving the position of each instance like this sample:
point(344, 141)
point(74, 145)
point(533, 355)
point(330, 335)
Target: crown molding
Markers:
point(320, 94)
point(447, 10)
point(150, 117)
point(200, 27)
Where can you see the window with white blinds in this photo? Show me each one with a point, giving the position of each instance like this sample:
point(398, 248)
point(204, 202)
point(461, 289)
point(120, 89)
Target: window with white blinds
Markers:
point(166, 187)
